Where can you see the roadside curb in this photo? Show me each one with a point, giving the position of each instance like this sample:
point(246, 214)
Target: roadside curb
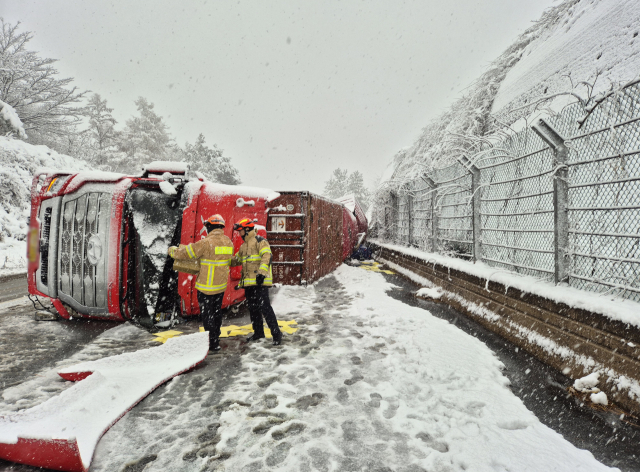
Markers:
point(6, 278)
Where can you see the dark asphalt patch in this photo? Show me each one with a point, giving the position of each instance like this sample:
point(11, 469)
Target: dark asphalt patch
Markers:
point(31, 346)
point(13, 287)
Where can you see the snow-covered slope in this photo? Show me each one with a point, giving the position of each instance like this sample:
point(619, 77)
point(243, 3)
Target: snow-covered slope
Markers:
point(580, 38)
point(18, 163)
point(598, 43)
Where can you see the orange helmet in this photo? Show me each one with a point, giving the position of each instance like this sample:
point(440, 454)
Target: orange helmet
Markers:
point(215, 220)
point(245, 223)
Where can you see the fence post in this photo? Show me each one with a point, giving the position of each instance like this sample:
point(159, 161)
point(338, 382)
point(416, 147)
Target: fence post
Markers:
point(395, 217)
point(560, 197)
point(476, 223)
point(410, 217)
point(434, 216)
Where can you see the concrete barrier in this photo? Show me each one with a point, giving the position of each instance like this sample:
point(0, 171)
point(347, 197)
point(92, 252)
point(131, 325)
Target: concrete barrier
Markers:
point(574, 341)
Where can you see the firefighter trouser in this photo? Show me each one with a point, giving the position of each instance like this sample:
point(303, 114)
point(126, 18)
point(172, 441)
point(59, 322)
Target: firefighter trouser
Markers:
point(260, 306)
point(211, 313)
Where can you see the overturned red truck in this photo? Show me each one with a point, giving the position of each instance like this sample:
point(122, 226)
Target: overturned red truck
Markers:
point(97, 242)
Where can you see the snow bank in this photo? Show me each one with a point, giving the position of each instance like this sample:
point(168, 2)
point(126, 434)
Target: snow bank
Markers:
point(433, 292)
point(599, 398)
point(587, 383)
point(617, 309)
point(18, 162)
point(113, 385)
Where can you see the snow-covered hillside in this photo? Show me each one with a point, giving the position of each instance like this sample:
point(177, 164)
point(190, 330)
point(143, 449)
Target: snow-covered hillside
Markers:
point(18, 163)
point(597, 43)
point(583, 39)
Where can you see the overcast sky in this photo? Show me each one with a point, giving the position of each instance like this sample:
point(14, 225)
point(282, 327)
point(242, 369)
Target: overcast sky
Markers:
point(289, 89)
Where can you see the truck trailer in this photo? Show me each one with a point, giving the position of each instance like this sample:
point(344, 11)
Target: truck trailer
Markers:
point(97, 241)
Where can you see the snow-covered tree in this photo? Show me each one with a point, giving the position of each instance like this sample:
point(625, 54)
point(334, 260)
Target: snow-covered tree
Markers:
point(10, 122)
point(355, 185)
point(97, 144)
point(211, 162)
point(144, 139)
point(336, 186)
point(342, 183)
point(101, 123)
point(46, 105)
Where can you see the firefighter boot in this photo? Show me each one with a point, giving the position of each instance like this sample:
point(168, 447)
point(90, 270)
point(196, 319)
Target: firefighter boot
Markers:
point(277, 339)
point(214, 344)
point(255, 337)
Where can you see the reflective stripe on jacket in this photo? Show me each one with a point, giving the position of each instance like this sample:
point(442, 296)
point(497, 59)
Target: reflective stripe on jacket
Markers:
point(214, 253)
point(255, 257)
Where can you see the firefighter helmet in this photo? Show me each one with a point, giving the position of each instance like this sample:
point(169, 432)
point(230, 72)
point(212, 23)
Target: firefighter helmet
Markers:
point(215, 220)
point(245, 223)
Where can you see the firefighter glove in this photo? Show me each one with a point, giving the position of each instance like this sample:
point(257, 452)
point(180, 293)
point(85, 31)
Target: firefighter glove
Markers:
point(259, 279)
point(172, 250)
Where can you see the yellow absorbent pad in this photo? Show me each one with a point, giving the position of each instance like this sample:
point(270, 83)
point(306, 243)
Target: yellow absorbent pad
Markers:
point(374, 267)
point(162, 336)
point(233, 330)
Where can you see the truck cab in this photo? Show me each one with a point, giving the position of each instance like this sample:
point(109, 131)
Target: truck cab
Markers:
point(97, 241)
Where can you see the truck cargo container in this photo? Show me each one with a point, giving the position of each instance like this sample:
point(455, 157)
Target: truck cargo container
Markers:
point(97, 242)
point(311, 235)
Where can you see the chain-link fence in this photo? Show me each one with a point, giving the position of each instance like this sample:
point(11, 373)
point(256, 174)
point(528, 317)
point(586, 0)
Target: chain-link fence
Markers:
point(559, 201)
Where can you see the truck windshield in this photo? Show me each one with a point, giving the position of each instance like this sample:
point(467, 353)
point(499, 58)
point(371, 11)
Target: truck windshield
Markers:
point(156, 220)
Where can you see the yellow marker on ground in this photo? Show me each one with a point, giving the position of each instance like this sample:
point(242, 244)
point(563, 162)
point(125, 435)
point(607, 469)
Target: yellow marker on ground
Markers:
point(162, 336)
point(233, 330)
point(374, 267)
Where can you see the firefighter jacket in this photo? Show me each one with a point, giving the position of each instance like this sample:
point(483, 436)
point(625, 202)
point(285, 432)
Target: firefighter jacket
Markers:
point(214, 253)
point(255, 257)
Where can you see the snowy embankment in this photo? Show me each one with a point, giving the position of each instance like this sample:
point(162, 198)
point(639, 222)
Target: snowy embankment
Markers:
point(596, 43)
point(367, 383)
point(18, 162)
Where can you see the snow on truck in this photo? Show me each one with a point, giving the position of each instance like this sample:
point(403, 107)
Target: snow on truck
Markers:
point(97, 242)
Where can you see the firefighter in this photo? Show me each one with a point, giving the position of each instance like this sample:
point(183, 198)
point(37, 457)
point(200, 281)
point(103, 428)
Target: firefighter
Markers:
point(255, 257)
point(214, 253)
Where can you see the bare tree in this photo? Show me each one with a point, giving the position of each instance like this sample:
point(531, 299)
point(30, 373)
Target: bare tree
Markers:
point(29, 84)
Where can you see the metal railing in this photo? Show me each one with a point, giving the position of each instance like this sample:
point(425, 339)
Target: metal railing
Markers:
point(558, 201)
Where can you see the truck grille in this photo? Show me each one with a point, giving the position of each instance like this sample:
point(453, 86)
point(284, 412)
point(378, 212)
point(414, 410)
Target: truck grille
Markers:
point(80, 223)
point(44, 246)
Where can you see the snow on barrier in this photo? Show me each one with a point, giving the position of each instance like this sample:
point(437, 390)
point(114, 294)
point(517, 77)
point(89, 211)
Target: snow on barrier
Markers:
point(62, 433)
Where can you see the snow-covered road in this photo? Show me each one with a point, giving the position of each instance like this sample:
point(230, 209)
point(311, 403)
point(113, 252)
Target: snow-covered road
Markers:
point(367, 383)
